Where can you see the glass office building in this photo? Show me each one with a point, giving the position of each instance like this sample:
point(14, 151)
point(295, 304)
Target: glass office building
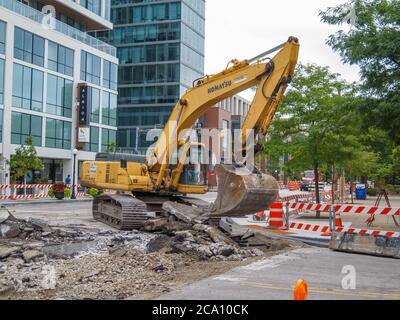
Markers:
point(41, 66)
point(160, 46)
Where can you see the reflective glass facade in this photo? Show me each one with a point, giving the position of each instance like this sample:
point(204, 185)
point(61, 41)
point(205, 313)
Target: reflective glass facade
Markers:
point(27, 88)
point(2, 37)
point(60, 59)
point(28, 47)
point(161, 52)
point(58, 134)
point(2, 64)
point(25, 125)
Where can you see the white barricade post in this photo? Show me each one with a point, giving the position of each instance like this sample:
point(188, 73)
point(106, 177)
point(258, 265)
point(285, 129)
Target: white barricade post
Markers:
point(287, 216)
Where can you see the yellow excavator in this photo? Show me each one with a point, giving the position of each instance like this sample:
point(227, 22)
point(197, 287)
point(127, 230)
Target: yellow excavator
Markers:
point(139, 182)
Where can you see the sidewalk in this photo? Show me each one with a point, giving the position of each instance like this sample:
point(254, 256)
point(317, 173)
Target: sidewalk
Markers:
point(43, 201)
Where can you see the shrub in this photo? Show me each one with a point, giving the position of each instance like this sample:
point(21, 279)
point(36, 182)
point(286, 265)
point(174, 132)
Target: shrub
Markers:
point(50, 193)
point(92, 192)
point(67, 193)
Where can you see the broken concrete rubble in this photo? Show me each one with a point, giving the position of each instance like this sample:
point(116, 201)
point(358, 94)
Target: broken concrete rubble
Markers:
point(81, 261)
point(185, 213)
point(7, 251)
point(31, 255)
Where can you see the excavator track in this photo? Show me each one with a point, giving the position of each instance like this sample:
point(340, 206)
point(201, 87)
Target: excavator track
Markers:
point(120, 211)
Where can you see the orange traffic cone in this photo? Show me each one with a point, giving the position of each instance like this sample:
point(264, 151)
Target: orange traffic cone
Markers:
point(338, 221)
point(301, 290)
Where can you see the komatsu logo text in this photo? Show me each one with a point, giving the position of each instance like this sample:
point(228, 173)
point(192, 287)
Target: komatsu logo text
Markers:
point(220, 86)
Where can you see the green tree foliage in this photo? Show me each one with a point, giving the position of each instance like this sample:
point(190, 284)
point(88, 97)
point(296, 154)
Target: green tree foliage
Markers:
point(316, 126)
point(112, 147)
point(372, 43)
point(24, 159)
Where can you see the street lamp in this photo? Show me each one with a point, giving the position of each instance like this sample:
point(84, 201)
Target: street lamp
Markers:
point(73, 196)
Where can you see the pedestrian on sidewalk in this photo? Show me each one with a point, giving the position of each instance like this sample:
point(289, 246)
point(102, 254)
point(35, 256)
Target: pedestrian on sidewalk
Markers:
point(68, 180)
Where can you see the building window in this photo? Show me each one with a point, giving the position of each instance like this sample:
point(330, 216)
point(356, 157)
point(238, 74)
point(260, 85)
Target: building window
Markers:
point(149, 95)
point(95, 115)
point(25, 125)
point(110, 75)
point(109, 109)
point(108, 139)
point(90, 68)
point(2, 37)
point(27, 88)
point(149, 33)
point(59, 96)
point(155, 73)
point(93, 145)
point(28, 47)
point(58, 134)
point(61, 59)
point(126, 138)
point(2, 64)
point(1, 125)
point(92, 5)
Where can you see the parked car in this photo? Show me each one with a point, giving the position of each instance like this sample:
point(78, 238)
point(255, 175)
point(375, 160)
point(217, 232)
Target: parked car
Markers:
point(307, 179)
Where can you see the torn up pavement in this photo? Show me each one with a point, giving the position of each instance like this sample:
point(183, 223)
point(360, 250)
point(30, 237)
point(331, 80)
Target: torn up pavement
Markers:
point(42, 261)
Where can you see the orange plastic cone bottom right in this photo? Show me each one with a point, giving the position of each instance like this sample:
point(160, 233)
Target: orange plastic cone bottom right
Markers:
point(301, 290)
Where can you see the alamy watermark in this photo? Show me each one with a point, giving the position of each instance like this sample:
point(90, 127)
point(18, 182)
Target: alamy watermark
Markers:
point(349, 14)
point(49, 19)
point(349, 282)
point(201, 146)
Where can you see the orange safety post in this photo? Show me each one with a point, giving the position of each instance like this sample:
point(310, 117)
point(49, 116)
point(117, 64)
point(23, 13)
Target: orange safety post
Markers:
point(276, 215)
point(301, 290)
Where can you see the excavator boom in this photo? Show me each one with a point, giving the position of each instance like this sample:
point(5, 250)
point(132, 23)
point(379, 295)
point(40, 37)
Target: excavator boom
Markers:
point(241, 191)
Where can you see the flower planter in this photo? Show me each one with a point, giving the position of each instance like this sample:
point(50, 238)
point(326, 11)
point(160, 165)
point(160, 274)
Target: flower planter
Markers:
point(59, 195)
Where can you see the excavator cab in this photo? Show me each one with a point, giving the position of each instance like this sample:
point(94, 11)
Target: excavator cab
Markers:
point(193, 174)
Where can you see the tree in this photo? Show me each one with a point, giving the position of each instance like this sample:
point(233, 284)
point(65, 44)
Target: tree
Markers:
point(315, 124)
point(372, 44)
point(24, 159)
point(112, 147)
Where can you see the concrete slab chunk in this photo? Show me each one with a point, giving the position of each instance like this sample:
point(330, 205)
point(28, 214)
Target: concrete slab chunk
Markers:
point(366, 244)
point(7, 251)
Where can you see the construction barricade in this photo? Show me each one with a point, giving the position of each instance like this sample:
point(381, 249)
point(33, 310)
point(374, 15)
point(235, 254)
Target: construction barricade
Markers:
point(347, 239)
point(36, 191)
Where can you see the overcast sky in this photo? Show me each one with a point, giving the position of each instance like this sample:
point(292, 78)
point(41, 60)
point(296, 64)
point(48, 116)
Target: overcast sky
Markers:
point(243, 29)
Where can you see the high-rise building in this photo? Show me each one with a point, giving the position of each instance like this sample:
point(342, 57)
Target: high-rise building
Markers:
point(161, 52)
point(46, 53)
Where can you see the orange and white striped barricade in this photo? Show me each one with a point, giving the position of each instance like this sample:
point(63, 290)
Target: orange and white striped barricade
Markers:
point(276, 216)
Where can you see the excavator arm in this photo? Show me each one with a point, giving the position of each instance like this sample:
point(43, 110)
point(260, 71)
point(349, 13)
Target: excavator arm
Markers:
point(271, 79)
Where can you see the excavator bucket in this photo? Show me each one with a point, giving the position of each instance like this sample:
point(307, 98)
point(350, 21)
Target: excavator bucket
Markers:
point(242, 192)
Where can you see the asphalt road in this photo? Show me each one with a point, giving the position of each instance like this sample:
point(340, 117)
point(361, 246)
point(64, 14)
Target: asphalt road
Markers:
point(275, 277)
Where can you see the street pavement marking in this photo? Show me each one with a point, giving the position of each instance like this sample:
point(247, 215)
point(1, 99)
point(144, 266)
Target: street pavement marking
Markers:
point(326, 291)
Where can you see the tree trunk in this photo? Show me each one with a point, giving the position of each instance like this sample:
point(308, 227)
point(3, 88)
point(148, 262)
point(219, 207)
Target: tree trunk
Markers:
point(351, 190)
point(316, 174)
